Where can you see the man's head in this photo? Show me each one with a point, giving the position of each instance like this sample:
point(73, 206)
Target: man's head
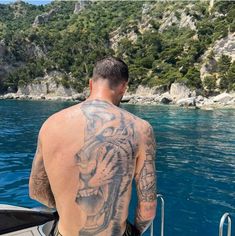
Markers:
point(112, 69)
point(110, 75)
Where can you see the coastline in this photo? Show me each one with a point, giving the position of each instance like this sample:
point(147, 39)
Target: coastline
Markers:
point(221, 101)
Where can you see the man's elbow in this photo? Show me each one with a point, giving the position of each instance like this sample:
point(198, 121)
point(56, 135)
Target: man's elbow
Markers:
point(34, 194)
point(31, 189)
point(148, 210)
point(149, 216)
point(31, 194)
point(42, 197)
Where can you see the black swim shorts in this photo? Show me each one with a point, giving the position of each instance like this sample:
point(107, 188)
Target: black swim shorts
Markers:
point(130, 230)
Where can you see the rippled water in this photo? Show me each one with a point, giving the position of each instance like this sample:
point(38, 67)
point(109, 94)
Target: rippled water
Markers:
point(195, 161)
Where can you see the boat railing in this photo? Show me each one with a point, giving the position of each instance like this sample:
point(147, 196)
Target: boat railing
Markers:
point(159, 196)
point(221, 225)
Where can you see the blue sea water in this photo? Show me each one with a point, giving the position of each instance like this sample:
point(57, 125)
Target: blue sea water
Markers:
point(195, 161)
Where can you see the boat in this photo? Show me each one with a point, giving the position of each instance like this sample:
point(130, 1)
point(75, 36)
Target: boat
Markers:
point(22, 221)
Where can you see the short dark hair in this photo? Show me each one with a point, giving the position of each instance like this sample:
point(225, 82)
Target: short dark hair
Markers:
point(113, 69)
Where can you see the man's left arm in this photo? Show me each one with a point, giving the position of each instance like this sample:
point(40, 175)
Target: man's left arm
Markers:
point(39, 186)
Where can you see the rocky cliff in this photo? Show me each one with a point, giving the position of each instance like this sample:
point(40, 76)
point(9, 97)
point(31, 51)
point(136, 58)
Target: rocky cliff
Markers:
point(163, 43)
point(44, 18)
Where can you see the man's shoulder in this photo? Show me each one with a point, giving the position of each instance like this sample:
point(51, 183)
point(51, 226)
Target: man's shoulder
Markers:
point(141, 123)
point(59, 118)
point(145, 126)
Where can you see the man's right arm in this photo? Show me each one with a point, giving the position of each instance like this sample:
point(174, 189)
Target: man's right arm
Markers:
point(145, 177)
point(39, 185)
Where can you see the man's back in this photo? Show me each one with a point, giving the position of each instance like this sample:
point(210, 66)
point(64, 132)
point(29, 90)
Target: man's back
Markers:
point(86, 159)
point(90, 153)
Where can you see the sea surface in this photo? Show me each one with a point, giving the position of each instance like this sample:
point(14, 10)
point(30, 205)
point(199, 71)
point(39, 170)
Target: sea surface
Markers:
point(195, 161)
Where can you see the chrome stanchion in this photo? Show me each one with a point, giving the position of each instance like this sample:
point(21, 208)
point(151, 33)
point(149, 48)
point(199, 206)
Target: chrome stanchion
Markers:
point(221, 225)
point(162, 214)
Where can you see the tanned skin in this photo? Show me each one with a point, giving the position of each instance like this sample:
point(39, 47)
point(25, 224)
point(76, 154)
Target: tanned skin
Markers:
point(86, 160)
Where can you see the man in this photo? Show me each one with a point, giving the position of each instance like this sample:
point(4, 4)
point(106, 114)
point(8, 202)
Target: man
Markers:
point(87, 157)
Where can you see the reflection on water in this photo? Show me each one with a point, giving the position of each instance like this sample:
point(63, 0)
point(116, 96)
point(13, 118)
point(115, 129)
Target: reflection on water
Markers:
point(196, 166)
point(195, 161)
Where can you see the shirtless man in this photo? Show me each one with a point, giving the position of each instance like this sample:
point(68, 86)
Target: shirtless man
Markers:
point(87, 157)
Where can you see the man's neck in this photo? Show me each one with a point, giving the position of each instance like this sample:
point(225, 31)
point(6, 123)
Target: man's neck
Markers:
point(107, 98)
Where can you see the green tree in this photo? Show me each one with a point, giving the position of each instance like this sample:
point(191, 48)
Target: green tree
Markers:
point(231, 77)
point(193, 78)
point(210, 83)
point(224, 63)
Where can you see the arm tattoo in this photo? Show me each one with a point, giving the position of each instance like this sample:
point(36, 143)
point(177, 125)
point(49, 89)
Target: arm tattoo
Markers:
point(106, 165)
point(146, 182)
point(41, 188)
point(141, 224)
point(146, 187)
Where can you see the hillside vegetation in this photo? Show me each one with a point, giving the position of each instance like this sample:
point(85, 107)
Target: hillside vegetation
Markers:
point(162, 42)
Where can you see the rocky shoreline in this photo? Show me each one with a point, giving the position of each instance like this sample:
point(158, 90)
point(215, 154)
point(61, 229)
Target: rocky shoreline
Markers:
point(14, 96)
point(178, 95)
point(223, 100)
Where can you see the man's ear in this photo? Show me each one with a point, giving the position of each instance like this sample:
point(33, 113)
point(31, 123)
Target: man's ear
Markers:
point(90, 85)
point(124, 87)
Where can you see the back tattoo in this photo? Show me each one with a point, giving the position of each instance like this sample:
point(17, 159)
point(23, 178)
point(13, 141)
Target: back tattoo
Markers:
point(106, 164)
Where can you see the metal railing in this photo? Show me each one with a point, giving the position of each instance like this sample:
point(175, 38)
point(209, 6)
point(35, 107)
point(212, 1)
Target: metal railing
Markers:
point(159, 196)
point(221, 225)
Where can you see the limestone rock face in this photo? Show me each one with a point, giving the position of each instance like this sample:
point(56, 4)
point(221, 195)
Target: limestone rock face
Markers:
point(146, 91)
point(115, 37)
point(44, 18)
point(79, 6)
point(159, 90)
point(52, 85)
point(186, 102)
point(141, 100)
point(187, 21)
point(9, 96)
point(144, 24)
point(47, 86)
point(179, 91)
point(166, 98)
point(200, 98)
point(18, 9)
point(168, 20)
point(208, 68)
point(126, 98)
point(34, 50)
point(35, 89)
point(143, 91)
point(223, 98)
point(23, 90)
point(183, 21)
point(79, 97)
point(225, 46)
point(62, 91)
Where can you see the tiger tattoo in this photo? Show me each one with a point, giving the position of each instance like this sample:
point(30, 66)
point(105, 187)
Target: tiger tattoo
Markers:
point(106, 164)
